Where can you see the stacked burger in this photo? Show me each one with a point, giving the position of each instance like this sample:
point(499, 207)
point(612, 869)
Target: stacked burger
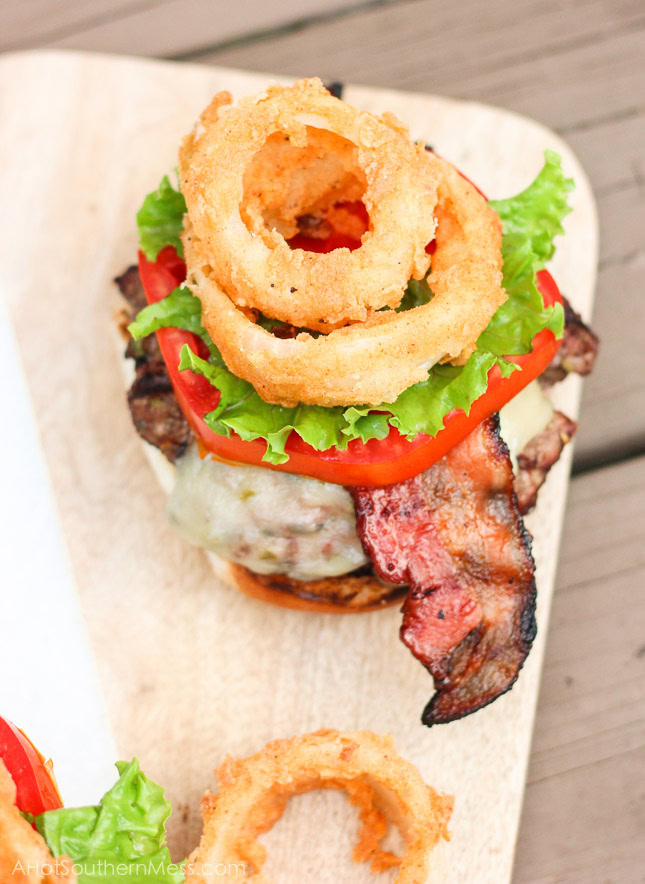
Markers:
point(349, 337)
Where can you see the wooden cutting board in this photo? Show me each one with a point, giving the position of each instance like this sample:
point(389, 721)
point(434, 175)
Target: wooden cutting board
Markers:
point(192, 670)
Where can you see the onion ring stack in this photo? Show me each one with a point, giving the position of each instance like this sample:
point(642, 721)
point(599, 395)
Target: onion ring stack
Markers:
point(256, 267)
point(235, 261)
point(254, 793)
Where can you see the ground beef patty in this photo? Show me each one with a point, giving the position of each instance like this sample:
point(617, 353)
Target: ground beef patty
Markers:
point(155, 412)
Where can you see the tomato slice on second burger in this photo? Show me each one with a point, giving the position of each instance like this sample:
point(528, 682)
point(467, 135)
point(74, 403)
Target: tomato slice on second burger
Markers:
point(36, 789)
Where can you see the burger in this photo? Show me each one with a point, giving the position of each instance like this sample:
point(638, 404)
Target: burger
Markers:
point(338, 351)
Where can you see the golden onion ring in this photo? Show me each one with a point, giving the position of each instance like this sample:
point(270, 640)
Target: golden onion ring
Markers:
point(284, 182)
point(24, 855)
point(257, 267)
point(254, 793)
point(371, 362)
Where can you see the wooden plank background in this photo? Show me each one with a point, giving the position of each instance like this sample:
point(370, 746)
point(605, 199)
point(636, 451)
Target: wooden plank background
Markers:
point(577, 66)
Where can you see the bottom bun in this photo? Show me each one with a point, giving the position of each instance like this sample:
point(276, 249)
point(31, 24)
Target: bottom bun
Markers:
point(346, 594)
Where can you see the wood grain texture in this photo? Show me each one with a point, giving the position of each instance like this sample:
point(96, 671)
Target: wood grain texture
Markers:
point(33, 22)
point(190, 669)
point(166, 27)
point(584, 809)
point(577, 67)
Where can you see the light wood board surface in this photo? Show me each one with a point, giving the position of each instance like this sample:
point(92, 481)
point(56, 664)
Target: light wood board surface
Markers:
point(189, 672)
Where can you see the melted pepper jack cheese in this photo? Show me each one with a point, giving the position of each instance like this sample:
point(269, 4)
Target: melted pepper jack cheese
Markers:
point(270, 522)
point(279, 523)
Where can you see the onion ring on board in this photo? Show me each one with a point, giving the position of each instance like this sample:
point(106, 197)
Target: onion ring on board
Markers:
point(256, 267)
point(371, 362)
point(254, 793)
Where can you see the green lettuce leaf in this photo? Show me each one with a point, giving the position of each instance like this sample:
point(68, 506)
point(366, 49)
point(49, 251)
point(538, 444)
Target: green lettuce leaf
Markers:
point(423, 407)
point(416, 294)
point(161, 220)
point(530, 222)
point(523, 314)
point(180, 309)
point(537, 212)
point(242, 410)
point(120, 841)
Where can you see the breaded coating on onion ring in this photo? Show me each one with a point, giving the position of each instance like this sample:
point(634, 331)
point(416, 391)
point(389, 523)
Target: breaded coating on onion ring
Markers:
point(254, 793)
point(283, 183)
point(371, 362)
point(24, 857)
point(336, 151)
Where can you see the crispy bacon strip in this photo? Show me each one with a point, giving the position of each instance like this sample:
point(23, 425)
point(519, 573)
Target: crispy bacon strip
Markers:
point(455, 535)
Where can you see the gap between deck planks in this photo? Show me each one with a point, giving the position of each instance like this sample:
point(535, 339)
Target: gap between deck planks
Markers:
point(157, 27)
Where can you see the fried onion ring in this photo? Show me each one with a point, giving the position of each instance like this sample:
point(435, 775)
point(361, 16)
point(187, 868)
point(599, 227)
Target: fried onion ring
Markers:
point(371, 362)
point(252, 262)
point(254, 793)
point(284, 182)
point(24, 855)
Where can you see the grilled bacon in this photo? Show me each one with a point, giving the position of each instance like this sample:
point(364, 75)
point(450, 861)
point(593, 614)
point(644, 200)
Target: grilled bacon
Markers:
point(454, 534)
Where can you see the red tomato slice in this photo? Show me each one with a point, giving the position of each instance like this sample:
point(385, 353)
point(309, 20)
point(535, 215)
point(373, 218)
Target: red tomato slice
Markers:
point(377, 462)
point(335, 241)
point(36, 789)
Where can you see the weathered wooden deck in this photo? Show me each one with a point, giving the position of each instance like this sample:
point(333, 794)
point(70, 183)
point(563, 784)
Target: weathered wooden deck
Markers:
point(577, 66)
